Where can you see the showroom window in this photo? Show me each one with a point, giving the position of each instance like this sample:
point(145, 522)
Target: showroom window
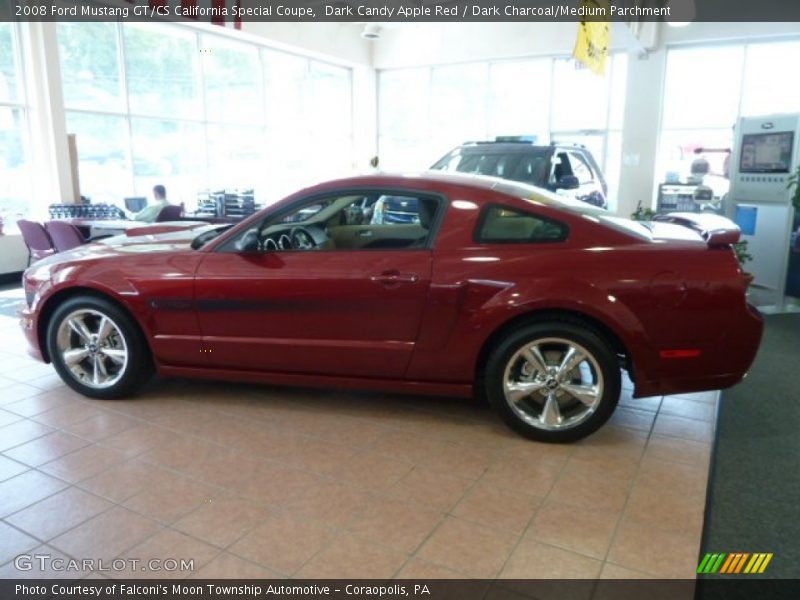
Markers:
point(424, 112)
point(165, 104)
point(707, 89)
point(15, 192)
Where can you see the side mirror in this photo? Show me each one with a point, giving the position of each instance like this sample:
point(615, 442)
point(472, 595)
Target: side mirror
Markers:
point(568, 182)
point(248, 242)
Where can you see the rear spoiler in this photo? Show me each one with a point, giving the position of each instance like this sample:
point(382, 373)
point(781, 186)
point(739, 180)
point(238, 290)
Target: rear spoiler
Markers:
point(716, 230)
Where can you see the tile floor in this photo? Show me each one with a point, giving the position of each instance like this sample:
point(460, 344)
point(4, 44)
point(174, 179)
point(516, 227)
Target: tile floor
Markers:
point(256, 481)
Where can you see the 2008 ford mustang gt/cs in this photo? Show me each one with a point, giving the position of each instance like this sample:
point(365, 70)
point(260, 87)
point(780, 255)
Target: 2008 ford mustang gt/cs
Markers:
point(495, 288)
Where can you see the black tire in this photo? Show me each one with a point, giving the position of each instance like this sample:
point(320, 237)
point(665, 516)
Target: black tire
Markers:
point(504, 362)
point(127, 378)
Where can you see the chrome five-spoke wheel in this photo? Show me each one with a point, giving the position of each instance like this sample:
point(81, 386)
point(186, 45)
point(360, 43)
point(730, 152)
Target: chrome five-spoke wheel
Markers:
point(97, 348)
point(553, 381)
point(92, 348)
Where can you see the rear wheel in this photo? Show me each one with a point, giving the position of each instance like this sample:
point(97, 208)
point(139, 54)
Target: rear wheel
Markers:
point(553, 382)
point(97, 349)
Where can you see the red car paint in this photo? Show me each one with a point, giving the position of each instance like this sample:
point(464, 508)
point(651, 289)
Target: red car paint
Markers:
point(673, 304)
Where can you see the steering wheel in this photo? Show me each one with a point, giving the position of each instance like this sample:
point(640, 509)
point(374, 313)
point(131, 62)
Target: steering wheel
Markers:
point(301, 239)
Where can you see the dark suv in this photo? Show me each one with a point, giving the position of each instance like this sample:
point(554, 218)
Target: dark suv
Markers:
point(569, 169)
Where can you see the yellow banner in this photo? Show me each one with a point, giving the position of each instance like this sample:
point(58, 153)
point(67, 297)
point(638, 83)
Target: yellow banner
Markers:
point(591, 47)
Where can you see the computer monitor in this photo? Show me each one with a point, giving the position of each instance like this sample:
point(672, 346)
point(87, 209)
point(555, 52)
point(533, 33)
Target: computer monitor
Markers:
point(766, 152)
point(135, 203)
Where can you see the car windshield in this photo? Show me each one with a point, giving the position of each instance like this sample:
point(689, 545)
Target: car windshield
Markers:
point(206, 235)
point(530, 164)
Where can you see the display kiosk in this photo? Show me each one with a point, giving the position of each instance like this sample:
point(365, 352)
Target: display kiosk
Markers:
point(765, 154)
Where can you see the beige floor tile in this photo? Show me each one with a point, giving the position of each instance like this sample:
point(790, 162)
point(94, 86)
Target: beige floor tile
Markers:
point(409, 447)
point(650, 404)
point(350, 557)
point(332, 504)
point(168, 503)
point(6, 418)
point(416, 568)
point(534, 560)
point(225, 468)
point(138, 440)
point(671, 449)
point(500, 509)
point(36, 568)
point(664, 475)
point(228, 566)
point(689, 409)
point(13, 542)
point(612, 571)
point(605, 463)
point(278, 485)
point(632, 418)
point(372, 471)
point(222, 521)
point(180, 453)
point(17, 391)
point(36, 404)
point(101, 426)
point(666, 554)
point(58, 513)
point(107, 536)
point(589, 488)
point(46, 448)
point(20, 433)
point(459, 460)
point(68, 413)
point(588, 532)
point(167, 546)
point(127, 479)
point(25, 489)
point(402, 526)
point(669, 509)
point(472, 549)
point(10, 468)
point(83, 463)
point(283, 543)
point(680, 427)
point(323, 458)
point(534, 478)
point(430, 488)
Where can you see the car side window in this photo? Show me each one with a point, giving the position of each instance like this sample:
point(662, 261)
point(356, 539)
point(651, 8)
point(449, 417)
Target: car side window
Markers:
point(349, 221)
point(500, 224)
point(580, 168)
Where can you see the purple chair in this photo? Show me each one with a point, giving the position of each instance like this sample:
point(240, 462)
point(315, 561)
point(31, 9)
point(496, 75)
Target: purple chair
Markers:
point(65, 236)
point(171, 212)
point(36, 239)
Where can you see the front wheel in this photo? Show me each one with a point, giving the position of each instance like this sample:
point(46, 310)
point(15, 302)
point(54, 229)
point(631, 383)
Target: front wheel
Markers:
point(97, 349)
point(553, 382)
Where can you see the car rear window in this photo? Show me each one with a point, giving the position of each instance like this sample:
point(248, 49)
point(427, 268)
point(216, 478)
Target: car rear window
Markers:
point(531, 166)
point(500, 224)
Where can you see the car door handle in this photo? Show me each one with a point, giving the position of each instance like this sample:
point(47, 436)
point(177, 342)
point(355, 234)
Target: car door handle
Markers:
point(395, 277)
point(365, 233)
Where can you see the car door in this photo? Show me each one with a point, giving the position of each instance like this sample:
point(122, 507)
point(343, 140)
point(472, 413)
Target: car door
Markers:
point(351, 311)
point(590, 187)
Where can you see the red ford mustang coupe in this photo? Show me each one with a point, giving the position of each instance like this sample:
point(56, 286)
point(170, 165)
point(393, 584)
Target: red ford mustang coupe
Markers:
point(490, 287)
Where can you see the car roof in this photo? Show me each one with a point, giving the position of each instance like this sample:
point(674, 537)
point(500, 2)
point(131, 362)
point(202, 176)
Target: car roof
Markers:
point(427, 181)
point(503, 147)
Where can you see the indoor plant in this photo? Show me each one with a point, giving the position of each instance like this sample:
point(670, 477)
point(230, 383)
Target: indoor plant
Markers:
point(744, 257)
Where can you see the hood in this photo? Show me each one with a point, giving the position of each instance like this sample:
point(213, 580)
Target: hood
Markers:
point(158, 237)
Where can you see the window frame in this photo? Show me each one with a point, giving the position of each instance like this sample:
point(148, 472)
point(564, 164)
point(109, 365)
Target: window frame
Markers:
point(270, 214)
point(483, 217)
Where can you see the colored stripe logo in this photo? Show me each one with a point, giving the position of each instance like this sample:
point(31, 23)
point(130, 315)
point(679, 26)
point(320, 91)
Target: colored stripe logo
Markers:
point(731, 563)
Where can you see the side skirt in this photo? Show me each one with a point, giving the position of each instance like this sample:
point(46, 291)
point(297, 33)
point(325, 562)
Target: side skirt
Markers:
point(458, 390)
